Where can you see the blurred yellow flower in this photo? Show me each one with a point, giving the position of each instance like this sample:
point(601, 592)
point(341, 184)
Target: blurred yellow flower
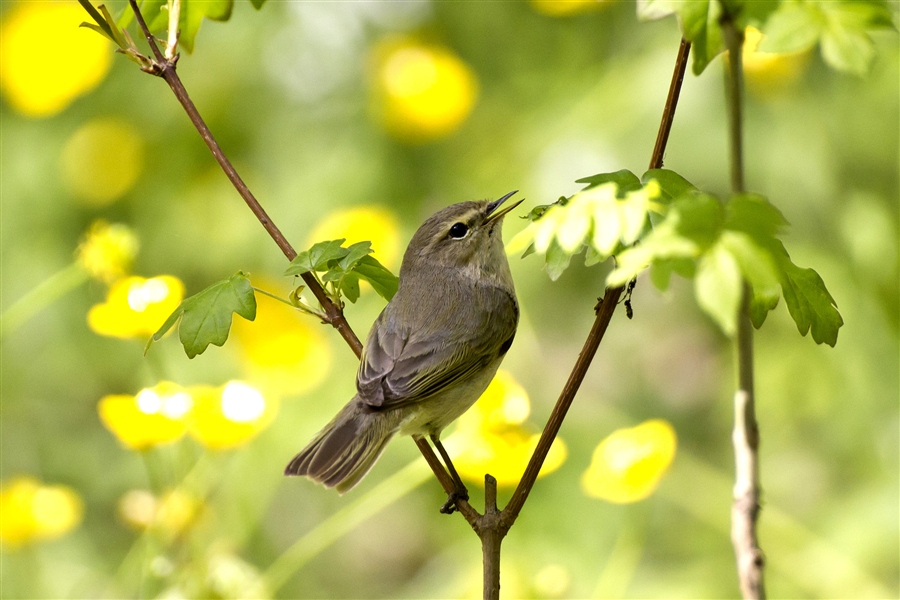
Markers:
point(46, 59)
point(767, 72)
point(363, 223)
point(229, 416)
point(628, 465)
point(562, 8)
point(31, 511)
point(285, 352)
point(171, 513)
point(102, 160)
point(421, 92)
point(491, 436)
point(107, 251)
point(136, 307)
point(156, 415)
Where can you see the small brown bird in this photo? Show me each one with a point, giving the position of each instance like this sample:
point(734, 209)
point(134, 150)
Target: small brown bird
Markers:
point(432, 351)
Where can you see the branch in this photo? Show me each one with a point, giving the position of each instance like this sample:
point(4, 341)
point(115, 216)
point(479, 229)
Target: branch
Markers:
point(745, 437)
point(604, 311)
point(166, 69)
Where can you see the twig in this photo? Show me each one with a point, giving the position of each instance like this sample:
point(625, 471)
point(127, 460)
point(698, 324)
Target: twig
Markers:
point(166, 69)
point(334, 314)
point(604, 311)
point(745, 437)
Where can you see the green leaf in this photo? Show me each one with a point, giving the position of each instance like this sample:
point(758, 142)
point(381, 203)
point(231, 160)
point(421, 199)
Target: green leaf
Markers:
point(809, 303)
point(350, 287)
point(756, 263)
point(794, 27)
point(699, 218)
point(700, 25)
point(317, 257)
point(671, 184)
point(755, 216)
point(354, 253)
point(257, 4)
point(759, 308)
point(383, 281)
point(625, 180)
point(206, 317)
point(718, 287)
point(556, 260)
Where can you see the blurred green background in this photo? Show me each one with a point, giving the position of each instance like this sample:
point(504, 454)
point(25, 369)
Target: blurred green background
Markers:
point(296, 95)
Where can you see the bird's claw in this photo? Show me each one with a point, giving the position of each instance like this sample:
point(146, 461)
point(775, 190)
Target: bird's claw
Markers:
point(450, 506)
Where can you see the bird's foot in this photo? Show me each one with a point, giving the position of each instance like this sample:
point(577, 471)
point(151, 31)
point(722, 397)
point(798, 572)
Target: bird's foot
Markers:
point(450, 506)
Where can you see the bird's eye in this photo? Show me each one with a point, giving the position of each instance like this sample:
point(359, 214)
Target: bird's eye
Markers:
point(459, 230)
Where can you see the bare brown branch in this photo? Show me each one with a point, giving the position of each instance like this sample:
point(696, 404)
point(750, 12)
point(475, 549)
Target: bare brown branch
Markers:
point(745, 437)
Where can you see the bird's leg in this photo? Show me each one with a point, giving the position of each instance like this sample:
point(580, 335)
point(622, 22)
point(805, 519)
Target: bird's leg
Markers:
point(460, 493)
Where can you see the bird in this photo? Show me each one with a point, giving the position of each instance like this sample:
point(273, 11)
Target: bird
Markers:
point(431, 352)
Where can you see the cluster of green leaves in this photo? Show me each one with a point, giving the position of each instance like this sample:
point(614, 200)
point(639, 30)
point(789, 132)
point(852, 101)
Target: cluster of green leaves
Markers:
point(840, 26)
point(725, 247)
point(342, 268)
point(156, 14)
point(610, 212)
point(206, 317)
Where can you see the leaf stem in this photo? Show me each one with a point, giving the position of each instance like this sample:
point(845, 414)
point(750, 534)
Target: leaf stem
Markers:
point(745, 436)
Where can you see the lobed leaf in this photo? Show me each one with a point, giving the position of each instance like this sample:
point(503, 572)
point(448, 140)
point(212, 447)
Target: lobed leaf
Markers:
point(317, 257)
point(206, 316)
point(382, 280)
point(625, 181)
point(718, 287)
point(809, 302)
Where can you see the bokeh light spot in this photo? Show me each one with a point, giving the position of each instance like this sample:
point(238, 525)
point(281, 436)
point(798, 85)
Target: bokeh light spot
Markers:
point(421, 92)
point(46, 59)
point(102, 160)
point(31, 511)
point(628, 465)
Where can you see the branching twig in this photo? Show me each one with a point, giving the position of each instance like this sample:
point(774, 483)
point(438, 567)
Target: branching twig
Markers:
point(494, 524)
point(745, 437)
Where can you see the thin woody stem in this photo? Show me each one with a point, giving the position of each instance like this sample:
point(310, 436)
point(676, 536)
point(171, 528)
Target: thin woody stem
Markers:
point(745, 436)
point(166, 69)
point(604, 311)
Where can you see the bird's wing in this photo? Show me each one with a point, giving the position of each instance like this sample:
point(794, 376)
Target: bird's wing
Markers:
point(402, 365)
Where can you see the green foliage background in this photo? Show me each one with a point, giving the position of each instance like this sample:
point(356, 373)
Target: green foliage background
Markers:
point(284, 90)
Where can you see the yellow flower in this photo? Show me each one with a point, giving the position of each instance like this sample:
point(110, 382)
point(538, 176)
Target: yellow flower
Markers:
point(171, 513)
point(491, 436)
point(102, 160)
point(564, 8)
point(363, 223)
point(156, 415)
point(421, 92)
point(136, 307)
point(229, 416)
point(628, 465)
point(768, 72)
point(32, 511)
point(46, 59)
point(285, 351)
point(107, 251)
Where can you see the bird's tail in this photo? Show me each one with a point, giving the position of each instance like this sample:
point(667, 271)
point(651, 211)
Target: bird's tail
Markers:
point(343, 452)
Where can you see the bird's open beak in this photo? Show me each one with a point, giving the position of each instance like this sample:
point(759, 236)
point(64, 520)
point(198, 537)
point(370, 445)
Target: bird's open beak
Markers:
point(493, 216)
